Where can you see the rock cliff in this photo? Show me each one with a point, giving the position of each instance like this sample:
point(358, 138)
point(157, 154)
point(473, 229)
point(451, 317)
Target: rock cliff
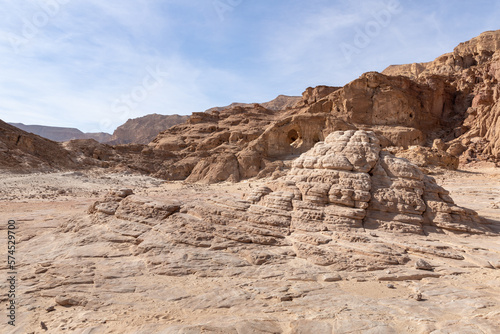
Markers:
point(242, 142)
point(346, 235)
point(435, 114)
point(453, 99)
point(473, 69)
point(22, 151)
point(144, 129)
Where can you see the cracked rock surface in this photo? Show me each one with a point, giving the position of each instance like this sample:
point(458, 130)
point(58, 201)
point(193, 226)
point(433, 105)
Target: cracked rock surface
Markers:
point(352, 239)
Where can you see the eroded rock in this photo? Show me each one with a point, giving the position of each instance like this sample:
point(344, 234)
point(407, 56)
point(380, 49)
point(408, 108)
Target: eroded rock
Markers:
point(320, 210)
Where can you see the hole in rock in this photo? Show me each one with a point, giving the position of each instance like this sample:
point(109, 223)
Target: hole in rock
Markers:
point(293, 135)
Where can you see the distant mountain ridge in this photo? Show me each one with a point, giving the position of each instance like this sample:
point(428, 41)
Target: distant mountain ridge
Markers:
point(141, 130)
point(439, 113)
point(61, 134)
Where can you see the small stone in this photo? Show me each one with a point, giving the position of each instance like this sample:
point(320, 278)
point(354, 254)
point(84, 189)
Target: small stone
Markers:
point(286, 298)
point(423, 265)
point(391, 286)
point(41, 270)
point(330, 278)
point(43, 325)
point(494, 205)
point(124, 192)
point(439, 144)
point(456, 149)
point(68, 301)
point(50, 309)
point(417, 296)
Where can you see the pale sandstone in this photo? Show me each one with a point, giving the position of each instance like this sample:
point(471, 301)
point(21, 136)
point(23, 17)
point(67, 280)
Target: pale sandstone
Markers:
point(267, 257)
point(144, 274)
point(345, 184)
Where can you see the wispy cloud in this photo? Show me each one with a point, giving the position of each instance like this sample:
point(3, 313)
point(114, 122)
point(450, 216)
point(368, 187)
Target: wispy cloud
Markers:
point(83, 56)
point(310, 47)
point(90, 54)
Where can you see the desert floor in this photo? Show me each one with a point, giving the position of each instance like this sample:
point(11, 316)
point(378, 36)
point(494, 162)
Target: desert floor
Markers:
point(70, 280)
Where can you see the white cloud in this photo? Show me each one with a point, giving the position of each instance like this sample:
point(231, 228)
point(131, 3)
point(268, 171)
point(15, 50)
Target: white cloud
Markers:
point(89, 54)
point(310, 49)
point(74, 69)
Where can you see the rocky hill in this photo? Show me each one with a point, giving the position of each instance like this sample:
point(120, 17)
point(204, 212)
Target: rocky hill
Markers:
point(435, 114)
point(473, 71)
point(101, 137)
point(341, 235)
point(22, 151)
point(279, 103)
point(142, 130)
point(62, 134)
point(350, 240)
point(448, 110)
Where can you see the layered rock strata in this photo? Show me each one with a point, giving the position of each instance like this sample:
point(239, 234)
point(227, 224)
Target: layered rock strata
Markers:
point(473, 69)
point(22, 151)
point(323, 211)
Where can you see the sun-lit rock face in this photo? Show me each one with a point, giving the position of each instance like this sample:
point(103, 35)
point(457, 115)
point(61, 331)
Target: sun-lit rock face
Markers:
point(142, 130)
point(347, 182)
point(325, 210)
point(473, 69)
point(24, 151)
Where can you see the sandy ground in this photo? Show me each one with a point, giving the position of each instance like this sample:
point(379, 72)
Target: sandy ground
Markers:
point(291, 298)
point(476, 187)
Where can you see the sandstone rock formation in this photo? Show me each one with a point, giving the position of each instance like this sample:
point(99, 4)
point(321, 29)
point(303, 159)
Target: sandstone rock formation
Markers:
point(22, 151)
point(144, 129)
point(253, 141)
point(343, 237)
point(453, 98)
point(61, 134)
point(425, 156)
point(281, 102)
point(211, 138)
point(473, 69)
point(331, 198)
point(175, 257)
point(477, 51)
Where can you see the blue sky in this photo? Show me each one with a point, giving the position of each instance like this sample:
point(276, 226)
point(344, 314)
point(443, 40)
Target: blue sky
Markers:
point(93, 64)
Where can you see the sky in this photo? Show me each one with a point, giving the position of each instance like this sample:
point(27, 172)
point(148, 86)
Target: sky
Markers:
point(94, 64)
